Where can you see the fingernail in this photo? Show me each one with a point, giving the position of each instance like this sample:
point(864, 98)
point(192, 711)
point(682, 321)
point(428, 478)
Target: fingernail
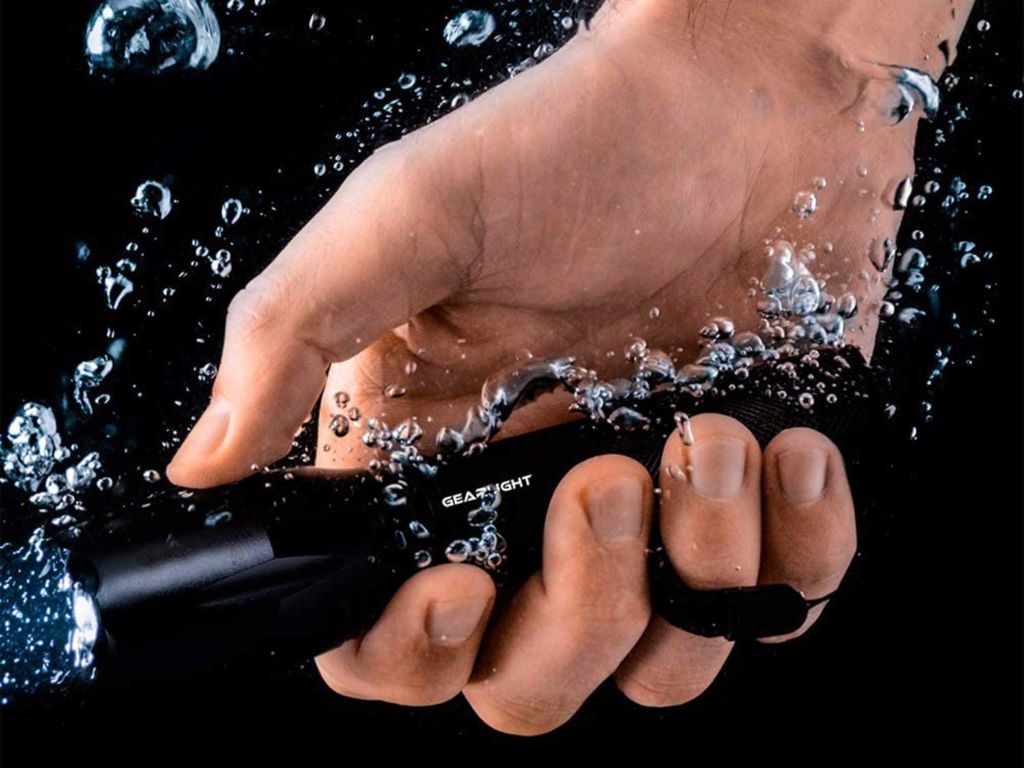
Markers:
point(207, 434)
point(454, 622)
point(615, 508)
point(802, 474)
point(719, 466)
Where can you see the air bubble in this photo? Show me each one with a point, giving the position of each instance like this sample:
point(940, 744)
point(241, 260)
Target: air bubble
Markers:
point(231, 211)
point(805, 204)
point(152, 199)
point(422, 558)
point(470, 28)
point(339, 425)
point(152, 36)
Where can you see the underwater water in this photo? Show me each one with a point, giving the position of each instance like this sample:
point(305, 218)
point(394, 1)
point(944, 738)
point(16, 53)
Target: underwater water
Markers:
point(127, 368)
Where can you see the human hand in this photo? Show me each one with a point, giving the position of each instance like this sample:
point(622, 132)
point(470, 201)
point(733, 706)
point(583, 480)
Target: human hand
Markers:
point(641, 166)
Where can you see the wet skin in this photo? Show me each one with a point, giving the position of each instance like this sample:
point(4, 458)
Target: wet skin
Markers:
point(644, 165)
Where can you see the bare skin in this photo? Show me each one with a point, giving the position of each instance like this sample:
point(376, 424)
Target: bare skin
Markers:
point(644, 165)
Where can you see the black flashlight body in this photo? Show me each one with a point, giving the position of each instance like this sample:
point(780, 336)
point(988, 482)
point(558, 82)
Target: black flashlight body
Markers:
point(300, 561)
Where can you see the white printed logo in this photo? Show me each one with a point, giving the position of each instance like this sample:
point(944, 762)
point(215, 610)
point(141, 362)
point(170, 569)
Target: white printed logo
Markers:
point(455, 499)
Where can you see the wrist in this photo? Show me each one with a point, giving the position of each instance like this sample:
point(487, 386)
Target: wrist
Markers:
point(921, 34)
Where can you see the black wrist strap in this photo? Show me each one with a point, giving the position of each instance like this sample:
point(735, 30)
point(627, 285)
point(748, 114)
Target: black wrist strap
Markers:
point(852, 422)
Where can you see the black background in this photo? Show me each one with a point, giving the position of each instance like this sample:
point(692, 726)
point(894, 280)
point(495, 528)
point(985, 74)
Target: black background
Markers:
point(923, 660)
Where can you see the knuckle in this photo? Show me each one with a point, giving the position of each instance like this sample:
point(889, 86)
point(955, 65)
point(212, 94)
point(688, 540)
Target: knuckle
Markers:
point(517, 716)
point(422, 693)
point(653, 687)
point(257, 307)
point(701, 571)
point(610, 612)
point(336, 680)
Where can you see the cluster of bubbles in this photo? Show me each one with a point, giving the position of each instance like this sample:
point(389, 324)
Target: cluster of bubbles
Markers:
point(33, 447)
point(488, 547)
point(798, 319)
point(48, 622)
point(89, 374)
point(116, 282)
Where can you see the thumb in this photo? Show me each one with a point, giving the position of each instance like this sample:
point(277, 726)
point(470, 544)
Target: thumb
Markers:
point(382, 250)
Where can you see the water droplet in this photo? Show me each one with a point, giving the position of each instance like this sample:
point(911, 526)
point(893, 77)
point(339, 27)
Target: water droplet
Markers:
point(216, 518)
point(319, 169)
point(543, 50)
point(984, 192)
point(115, 285)
point(922, 88)
point(909, 315)
point(846, 305)
point(458, 551)
point(207, 372)
point(341, 398)
point(470, 28)
point(89, 374)
point(459, 100)
point(481, 516)
point(419, 530)
point(152, 199)
point(654, 313)
point(104, 484)
point(881, 252)
point(684, 426)
point(902, 196)
point(969, 258)
point(231, 211)
point(220, 264)
point(912, 258)
point(805, 204)
point(984, 26)
point(317, 22)
point(152, 36)
point(394, 390)
point(627, 418)
point(354, 414)
point(406, 81)
point(422, 558)
point(151, 476)
point(410, 367)
point(339, 425)
point(805, 295)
